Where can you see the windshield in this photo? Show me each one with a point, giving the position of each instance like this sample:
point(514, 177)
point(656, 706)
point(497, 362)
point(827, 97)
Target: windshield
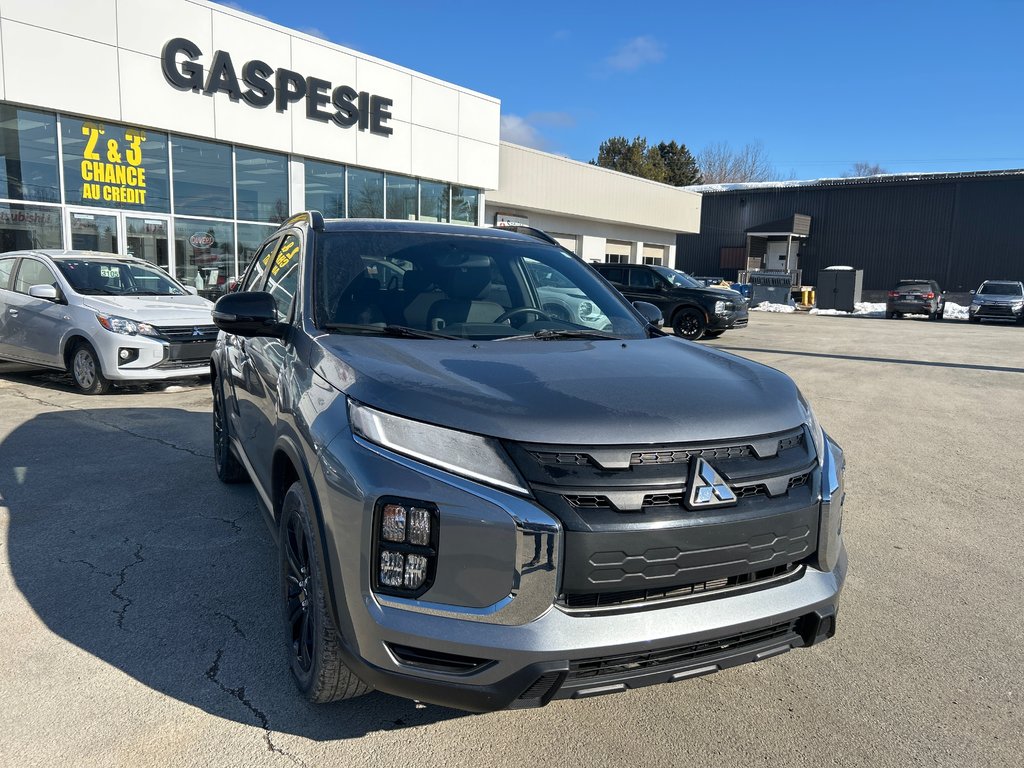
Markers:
point(461, 286)
point(1001, 289)
point(117, 278)
point(678, 278)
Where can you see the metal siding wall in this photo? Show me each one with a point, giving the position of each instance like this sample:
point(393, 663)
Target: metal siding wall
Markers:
point(958, 232)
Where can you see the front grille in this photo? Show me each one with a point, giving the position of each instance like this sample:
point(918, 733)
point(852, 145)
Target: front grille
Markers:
point(683, 457)
point(187, 334)
point(664, 499)
point(627, 598)
point(197, 352)
point(651, 661)
point(996, 310)
point(581, 501)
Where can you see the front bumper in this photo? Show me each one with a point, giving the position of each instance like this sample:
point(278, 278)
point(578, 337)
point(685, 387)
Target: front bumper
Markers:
point(996, 312)
point(487, 636)
point(730, 320)
point(149, 359)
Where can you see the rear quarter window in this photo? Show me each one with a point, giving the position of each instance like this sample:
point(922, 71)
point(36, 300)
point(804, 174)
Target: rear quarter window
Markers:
point(6, 270)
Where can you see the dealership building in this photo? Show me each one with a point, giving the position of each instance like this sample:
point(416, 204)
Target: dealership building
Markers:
point(182, 132)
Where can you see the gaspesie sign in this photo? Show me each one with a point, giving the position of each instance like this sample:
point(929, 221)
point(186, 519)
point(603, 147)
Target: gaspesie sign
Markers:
point(260, 85)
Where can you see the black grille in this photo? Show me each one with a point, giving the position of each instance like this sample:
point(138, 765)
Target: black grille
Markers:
point(187, 334)
point(664, 499)
point(541, 686)
point(648, 661)
point(588, 502)
point(683, 457)
point(581, 601)
point(574, 459)
point(996, 310)
point(436, 660)
point(192, 353)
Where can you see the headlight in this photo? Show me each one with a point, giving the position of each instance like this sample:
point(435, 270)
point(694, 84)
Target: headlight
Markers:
point(1018, 305)
point(116, 324)
point(817, 435)
point(461, 453)
point(585, 311)
point(719, 307)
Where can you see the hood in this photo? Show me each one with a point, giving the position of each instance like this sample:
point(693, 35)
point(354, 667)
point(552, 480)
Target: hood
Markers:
point(998, 298)
point(725, 293)
point(583, 392)
point(155, 310)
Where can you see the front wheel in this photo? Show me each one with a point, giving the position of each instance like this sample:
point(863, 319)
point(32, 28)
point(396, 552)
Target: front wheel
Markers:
point(314, 644)
point(86, 371)
point(689, 323)
point(712, 334)
point(229, 468)
point(974, 319)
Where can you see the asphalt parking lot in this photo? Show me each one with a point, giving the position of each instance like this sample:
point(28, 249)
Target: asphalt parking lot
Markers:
point(137, 594)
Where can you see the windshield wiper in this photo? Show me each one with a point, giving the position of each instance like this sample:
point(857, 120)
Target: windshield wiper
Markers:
point(548, 334)
point(140, 292)
point(96, 292)
point(399, 331)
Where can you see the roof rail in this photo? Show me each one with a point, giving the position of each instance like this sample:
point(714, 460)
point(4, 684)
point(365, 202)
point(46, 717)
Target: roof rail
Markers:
point(315, 219)
point(539, 234)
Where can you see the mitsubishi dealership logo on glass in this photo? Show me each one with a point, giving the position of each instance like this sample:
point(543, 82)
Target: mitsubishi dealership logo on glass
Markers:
point(281, 87)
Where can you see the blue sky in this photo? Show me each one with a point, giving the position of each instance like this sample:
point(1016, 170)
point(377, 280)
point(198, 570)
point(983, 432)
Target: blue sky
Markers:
point(912, 86)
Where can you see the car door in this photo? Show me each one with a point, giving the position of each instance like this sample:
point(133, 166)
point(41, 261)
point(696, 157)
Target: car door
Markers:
point(261, 359)
point(647, 285)
point(34, 327)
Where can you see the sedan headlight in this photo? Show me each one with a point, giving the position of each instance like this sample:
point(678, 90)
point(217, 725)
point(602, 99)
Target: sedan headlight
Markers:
point(116, 324)
point(461, 453)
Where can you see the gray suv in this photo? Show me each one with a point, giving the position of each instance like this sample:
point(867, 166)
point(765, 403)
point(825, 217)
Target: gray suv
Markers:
point(484, 506)
point(997, 300)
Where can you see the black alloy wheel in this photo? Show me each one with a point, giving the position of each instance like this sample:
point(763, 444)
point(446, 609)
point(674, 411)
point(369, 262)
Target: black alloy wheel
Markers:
point(314, 644)
point(689, 323)
point(229, 468)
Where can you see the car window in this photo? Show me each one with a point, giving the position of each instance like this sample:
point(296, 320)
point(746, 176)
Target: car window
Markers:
point(31, 273)
point(6, 270)
point(614, 275)
point(641, 278)
point(679, 278)
point(106, 277)
point(284, 275)
point(258, 267)
point(906, 287)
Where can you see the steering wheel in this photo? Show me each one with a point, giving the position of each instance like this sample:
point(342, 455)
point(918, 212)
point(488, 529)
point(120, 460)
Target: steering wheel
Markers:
point(540, 313)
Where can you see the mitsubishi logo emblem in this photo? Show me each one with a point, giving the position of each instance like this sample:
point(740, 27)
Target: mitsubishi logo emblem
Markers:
point(707, 488)
point(197, 331)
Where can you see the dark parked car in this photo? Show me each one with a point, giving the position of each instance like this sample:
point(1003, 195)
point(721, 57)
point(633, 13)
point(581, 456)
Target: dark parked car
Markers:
point(482, 506)
point(693, 310)
point(916, 297)
point(997, 300)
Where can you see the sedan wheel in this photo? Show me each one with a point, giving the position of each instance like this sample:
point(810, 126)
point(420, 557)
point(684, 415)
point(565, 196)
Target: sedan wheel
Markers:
point(86, 371)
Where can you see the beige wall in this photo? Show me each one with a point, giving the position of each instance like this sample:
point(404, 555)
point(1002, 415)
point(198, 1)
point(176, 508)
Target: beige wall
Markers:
point(530, 180)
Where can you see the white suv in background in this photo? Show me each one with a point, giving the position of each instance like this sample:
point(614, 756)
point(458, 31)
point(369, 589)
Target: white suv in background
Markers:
point(101, 317)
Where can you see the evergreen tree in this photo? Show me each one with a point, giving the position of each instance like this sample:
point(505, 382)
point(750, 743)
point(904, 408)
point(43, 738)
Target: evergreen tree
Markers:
point(669, 163)
point(681, 167)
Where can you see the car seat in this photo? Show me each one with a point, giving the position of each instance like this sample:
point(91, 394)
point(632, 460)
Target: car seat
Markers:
point(360, 303)
point(463, 285)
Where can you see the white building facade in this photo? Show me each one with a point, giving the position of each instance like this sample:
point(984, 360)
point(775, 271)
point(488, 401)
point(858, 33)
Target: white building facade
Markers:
point(183, 132)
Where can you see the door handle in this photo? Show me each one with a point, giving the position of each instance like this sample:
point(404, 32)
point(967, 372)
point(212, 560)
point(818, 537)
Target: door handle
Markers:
point(12, 312)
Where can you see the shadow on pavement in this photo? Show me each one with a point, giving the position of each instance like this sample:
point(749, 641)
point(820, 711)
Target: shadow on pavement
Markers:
point(125, 544)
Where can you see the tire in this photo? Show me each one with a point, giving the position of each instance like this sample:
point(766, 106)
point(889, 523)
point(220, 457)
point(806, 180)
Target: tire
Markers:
point(974, 319)
point(712, 334)
point(894, 315)
point(936, 316)
point(314, 644)
point(689, 323)
point(229, 469)
point(85, 370)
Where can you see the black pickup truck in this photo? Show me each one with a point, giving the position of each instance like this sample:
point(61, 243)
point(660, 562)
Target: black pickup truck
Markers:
point(693, 310)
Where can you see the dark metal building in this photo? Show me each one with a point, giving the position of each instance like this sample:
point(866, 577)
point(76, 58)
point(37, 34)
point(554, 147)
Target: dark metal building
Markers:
point(957, 228)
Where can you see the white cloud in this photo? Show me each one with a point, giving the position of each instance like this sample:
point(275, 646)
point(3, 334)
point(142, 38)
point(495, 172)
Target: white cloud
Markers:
point(558, 119)
point(635, 53)
point(518, 130)
point(314, 32)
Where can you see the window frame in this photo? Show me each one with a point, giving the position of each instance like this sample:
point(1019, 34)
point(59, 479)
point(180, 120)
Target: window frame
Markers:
point(21, 265)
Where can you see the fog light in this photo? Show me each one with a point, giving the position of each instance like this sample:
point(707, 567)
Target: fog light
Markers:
point(415, 571)
point(392, 522)
point(419, 526)
point(405, 541)
point(392, 567)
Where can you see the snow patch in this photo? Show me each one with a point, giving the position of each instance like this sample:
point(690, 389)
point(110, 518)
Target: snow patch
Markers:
point(767, 306)
point(872, 309)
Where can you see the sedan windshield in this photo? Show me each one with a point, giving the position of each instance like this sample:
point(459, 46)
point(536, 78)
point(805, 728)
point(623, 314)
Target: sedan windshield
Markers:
point(105, 277)
point(461, 286)
point(1001, 289)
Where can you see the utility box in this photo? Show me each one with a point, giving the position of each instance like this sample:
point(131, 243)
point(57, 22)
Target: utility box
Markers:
point(838, 288)
point(770, 286)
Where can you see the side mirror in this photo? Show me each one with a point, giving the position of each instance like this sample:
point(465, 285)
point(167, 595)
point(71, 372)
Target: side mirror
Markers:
point(650, 313)
point(972, 291)
point(191, 289)
point(47, 292)
point(248, 314)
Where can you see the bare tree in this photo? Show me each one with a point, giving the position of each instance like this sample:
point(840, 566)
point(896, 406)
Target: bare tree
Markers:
point(860, 168)
point(720, 164)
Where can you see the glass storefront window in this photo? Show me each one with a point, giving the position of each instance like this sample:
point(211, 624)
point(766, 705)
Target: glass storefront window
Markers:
point(465, 201)
point(28, 155)
point(147, 239)
point(433, 201)
point(94, 232)
point(325, 188)
point(261, 181)
point(29, 226)
point(401, 197)
point(249, 238)
point(202, 178)
point(107, 165)
point(205, 254)
point(365, 194)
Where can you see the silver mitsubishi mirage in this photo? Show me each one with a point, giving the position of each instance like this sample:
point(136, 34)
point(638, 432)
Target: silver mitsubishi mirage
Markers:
point(103, 318)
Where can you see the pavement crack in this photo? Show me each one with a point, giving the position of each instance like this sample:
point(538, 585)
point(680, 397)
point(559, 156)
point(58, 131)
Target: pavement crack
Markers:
point(85, 412)
point(126, 602)
point(234, 623)
point(86, 563)
point(213, 675)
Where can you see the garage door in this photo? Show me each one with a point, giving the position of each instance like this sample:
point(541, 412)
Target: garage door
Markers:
point(566, 241)
point(654, 254)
